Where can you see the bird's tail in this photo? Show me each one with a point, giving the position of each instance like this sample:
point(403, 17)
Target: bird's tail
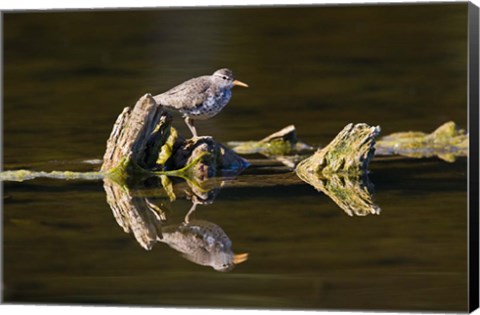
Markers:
point(158, 99)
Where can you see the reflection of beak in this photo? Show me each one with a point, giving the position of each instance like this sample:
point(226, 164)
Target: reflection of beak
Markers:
point(239, 258)
point(239, 83)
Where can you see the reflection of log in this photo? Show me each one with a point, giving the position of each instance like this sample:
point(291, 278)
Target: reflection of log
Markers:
point(135, 215)
point(354, 195)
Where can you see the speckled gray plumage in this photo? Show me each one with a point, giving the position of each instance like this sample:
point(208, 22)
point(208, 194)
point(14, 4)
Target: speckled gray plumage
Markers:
point(201, 242)
point(200, 98)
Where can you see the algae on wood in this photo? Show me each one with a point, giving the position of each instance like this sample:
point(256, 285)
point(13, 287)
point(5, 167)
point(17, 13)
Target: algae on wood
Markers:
point(282, 146)
point(143, 139)
point(217, 158)
point(21, 175)
point(348, 153)
point(339, 169)
point(282, 142)
point(447, 142)
point(136, 135)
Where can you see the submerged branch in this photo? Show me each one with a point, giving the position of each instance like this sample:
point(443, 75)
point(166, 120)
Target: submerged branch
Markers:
point(21, 175)
point(278, 145)
point(447, 142)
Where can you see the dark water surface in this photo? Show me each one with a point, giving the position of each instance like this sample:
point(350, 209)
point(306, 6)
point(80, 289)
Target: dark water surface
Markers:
point(67, 75)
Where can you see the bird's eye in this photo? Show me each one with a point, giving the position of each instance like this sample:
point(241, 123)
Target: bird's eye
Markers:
point(225, 77)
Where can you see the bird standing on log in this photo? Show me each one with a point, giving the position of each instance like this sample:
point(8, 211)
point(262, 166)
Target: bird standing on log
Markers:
point(200, 98)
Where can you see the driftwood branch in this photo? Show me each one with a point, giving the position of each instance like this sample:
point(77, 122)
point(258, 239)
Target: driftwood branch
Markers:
point(447, 142)
point(131, 137)
point(348, 153)
point(339, 170)
point(282, 142)
point(143, 142)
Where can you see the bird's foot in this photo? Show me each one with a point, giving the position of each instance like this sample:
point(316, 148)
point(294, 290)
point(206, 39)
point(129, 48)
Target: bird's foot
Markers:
point(194, 139)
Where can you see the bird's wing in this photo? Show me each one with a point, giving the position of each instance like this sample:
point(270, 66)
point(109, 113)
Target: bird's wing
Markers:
point(189, 94)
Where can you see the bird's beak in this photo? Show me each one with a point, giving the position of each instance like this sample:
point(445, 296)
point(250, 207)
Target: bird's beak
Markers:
point(239, 83)
point(239, 258)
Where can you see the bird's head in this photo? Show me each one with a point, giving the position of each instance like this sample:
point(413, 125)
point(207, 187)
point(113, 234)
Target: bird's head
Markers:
point(224, 78)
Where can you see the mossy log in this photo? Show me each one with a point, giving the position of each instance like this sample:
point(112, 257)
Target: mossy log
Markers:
point(348, 153)
point(136, 135)
point(22, 175)
point(282, 146)
point(447, 142)
point(143, 143)
point(282, 142)
point(339, 170)
point(217, 158)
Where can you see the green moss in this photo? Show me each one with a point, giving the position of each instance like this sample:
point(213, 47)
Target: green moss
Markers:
point(166, 149)
point(22, 175)
point(446, 142)
point(348, 153)
point(125, 170)
point(186, 172)
point(280, 143)
point(168, 186)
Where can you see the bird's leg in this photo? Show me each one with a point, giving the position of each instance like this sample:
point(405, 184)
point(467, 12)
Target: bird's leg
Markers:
point(192, 209)
point(191, 125)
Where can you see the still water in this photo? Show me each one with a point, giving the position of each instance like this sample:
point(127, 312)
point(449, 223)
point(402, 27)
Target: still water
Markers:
point(67, 75)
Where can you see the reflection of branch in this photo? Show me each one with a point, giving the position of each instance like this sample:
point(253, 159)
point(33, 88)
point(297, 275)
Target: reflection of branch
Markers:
point(135, 214)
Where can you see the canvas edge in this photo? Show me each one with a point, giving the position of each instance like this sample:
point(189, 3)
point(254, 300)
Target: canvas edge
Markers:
point(473, 100)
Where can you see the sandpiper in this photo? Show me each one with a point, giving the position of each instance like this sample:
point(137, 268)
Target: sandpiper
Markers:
point(200, 98)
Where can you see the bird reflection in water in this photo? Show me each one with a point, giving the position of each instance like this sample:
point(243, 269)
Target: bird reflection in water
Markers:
point(201, 242)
